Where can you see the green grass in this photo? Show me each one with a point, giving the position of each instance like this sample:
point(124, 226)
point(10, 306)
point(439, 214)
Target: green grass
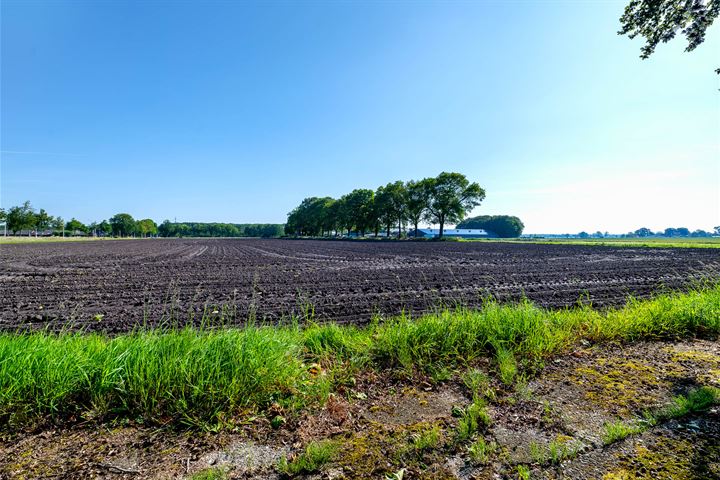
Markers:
point(506, 364)
point(427, 439)
point(523, 472)
point(472, 420)
point(650, 242)
point(211, 378)
point(554, 452)
point(315, 456)
point(210, 474)
point(697, 400)
point(478, 383)
point(616, 431)
point(480, 450)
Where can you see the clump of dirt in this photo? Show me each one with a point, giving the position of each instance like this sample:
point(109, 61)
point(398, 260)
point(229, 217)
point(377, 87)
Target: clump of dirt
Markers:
point(243, 458)
point(412, 405)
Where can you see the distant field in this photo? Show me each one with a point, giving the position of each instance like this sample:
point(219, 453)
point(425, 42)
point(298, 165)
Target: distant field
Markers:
point(115, 286)
point(661, 242)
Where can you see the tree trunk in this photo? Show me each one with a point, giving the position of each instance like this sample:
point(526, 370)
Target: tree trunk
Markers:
point(442, 226)
point(416, 228)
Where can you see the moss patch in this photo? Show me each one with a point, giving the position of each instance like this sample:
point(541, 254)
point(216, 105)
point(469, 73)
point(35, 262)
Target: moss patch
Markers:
point(669, 459)
point(621, 385)
point(381, 450)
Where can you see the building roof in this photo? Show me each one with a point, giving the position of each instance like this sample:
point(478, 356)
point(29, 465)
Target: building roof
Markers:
point(454, 231)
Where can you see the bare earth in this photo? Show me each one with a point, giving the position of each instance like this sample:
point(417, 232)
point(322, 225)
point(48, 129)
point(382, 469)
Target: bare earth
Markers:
point(114, 286)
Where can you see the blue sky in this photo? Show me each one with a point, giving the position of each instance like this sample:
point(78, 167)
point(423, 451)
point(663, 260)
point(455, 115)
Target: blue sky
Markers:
point(236, 111)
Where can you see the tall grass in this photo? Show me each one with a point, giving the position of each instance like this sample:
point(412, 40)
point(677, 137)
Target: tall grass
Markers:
point(206, 377)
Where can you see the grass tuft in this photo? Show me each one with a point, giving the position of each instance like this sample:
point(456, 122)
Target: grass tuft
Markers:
point(697, 400)
point(210, 474)
point(480, 450)
point(473, 419)
point(315, 456)
point(427, 439)
point(616, 431)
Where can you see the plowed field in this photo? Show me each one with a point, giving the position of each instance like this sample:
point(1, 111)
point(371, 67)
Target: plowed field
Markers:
point(116, 285)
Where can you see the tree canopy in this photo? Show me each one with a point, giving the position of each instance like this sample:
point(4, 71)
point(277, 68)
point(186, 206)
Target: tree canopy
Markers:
point(123, 225)
point(443, 199)
point(451, 196)
point(660, 20)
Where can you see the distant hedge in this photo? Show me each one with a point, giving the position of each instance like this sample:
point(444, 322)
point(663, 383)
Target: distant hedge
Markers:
point(504, 226)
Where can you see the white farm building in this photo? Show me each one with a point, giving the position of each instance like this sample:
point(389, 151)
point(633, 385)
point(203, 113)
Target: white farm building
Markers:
point(455, 232)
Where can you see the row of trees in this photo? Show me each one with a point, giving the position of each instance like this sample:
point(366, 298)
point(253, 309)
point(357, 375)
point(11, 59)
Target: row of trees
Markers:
point(439, 200)
point(24, 218)
point(674, 232)
point(196, 229)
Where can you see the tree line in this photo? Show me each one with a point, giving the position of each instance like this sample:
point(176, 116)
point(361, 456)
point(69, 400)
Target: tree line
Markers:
point(198, 229)
point(24, 218)
point(673, 232)
point(441, 200)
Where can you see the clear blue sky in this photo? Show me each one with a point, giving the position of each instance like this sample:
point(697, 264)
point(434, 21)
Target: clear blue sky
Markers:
point(236, 111)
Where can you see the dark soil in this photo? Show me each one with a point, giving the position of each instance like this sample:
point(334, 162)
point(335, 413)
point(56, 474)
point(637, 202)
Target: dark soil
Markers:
point(114, 286)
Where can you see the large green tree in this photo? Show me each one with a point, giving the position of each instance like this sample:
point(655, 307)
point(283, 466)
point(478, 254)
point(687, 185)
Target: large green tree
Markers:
point(312, 217)
point(359, 210)
point(451, 196)
point(43, 220)
point(417, 198)
point(660, 20)
point(147, 227)
point(122, 225)
point(74, 226)
point(390, 205)
point(58, 224)
point(21, 218)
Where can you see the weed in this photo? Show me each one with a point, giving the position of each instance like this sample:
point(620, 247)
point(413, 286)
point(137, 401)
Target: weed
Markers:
point(619, 430)
point(399, 475)
point(480, 450)
point(560, 450)
point(538, 453)
point(507, 366)
point(523, 472)
point(427, 439)
point(522, 389)
point(210, 474)
point(441, 374)
point(555, 452)
point(474, 417)
point(315, 456)
point(697, 400)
